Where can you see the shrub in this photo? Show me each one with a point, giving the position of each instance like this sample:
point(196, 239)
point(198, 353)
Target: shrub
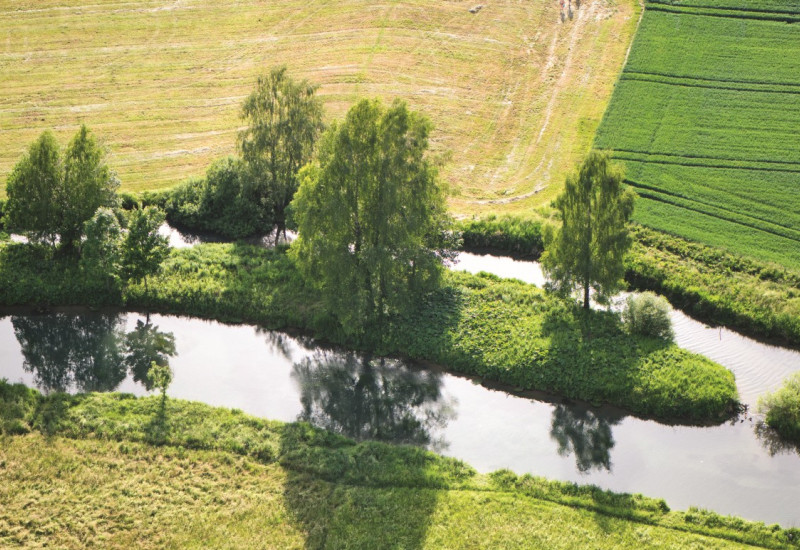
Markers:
point(648, 314)
point(782, 408)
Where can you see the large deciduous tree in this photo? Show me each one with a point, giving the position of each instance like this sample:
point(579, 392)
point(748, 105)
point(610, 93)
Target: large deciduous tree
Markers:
point(587, 251)
point(371, 215)
point(284, 119)
point(50, 196)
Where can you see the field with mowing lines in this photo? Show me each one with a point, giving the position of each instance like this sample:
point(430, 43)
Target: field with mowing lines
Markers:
point(515, 93)
point(706, 117)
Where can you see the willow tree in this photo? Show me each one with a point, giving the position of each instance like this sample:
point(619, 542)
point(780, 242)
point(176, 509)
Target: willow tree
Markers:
point(587, 252)
point(371, 215)
point(284, 119)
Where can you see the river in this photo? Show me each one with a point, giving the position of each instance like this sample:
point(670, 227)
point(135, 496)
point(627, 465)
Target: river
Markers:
point(731, 469)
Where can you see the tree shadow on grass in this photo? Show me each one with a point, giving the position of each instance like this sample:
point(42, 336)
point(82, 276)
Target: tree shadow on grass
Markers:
point(591, 357)
point(362, 495)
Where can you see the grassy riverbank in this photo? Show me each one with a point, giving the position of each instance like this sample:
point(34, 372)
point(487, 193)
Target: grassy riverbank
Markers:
point(757, 298)
point(118, 471)
point(501, 330)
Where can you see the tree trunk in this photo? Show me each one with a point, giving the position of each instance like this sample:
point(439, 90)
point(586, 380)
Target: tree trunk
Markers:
point(586, 296)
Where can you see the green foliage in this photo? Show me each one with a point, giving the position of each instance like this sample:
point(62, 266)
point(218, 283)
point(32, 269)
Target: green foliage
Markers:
point(782, 409)
point(500, 330)
point(159, 377)
point(284, 119)
point(588, 250)
point(51, 196)
point(88, 185)
point(219, 204)
point(143, 248)
point(371, 215)
point(33, 188)
point(705, 116)
point(506, 234)
point(101, 253)
point(648, 314)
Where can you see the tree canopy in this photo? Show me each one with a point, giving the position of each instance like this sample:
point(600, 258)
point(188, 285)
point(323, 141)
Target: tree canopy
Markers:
point(284, 119)
point(52, 196)
point(143, 248)
point(371, 215)
point(587, 252)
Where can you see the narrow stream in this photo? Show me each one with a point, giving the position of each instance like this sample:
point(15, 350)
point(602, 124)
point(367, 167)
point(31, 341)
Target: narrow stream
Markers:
point(731, 469)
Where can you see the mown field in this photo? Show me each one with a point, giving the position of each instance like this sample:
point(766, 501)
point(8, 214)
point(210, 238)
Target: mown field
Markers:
point(705, 118)
point(113, 471)
point(515, 93)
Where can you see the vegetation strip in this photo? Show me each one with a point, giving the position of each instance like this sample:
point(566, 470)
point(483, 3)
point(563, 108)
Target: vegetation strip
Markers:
point(501, 330)
point(127, 427)
point(756, 298)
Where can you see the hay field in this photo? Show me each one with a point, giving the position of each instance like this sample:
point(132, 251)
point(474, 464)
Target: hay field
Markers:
point(515, 93)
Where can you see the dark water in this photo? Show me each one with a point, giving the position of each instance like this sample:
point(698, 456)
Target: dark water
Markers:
point(731, 469)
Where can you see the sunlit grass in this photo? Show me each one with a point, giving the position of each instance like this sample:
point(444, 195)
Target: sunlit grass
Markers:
point(514, 93)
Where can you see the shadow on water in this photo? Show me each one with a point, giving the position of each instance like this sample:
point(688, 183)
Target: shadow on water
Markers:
point(144, 345)
point(584, 433)
point(65, 351)
point(368, 398)
point(772, 441)
point(89, 352)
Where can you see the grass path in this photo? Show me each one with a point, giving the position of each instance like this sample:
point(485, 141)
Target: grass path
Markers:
point(515, 93)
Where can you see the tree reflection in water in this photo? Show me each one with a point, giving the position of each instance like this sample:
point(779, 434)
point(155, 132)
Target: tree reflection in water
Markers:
point(772, 441)
point(373, 398)
point(65, 351)
point(146, 344)
point(580, 431)
point(88, 352)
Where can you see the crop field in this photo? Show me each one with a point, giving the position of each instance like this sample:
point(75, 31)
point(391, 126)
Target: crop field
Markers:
point(515, 91)
point(705, 117)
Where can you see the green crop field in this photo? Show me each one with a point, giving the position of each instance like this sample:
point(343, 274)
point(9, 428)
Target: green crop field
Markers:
point(706, 117)
point(514, 92)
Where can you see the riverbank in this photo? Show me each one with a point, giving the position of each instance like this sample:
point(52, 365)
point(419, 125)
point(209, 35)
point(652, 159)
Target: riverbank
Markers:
point(123, 470)
point(755, 298)
point(500, 330)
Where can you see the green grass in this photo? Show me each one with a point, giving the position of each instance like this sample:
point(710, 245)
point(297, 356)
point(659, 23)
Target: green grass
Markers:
point(704, 116)
point(514, 93)
point(96, 472)
point(501, 330)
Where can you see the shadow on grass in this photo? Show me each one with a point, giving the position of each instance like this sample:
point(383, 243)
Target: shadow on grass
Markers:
point(157, 431)
point(362, 495)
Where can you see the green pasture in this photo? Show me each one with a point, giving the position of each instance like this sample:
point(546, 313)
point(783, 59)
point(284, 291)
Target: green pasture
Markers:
point(705, 118)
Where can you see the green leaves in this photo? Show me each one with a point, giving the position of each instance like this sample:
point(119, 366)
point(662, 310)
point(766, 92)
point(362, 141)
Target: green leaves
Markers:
point(588, 251)
point(371, 215)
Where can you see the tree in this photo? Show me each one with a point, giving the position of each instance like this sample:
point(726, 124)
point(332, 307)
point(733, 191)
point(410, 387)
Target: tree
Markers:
point(588, 251)
point(284, 120)
point(101, 251)
point(143, 249)
point(88, 185)
point(33, 190)
point(371, 215)
point(51, 197)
